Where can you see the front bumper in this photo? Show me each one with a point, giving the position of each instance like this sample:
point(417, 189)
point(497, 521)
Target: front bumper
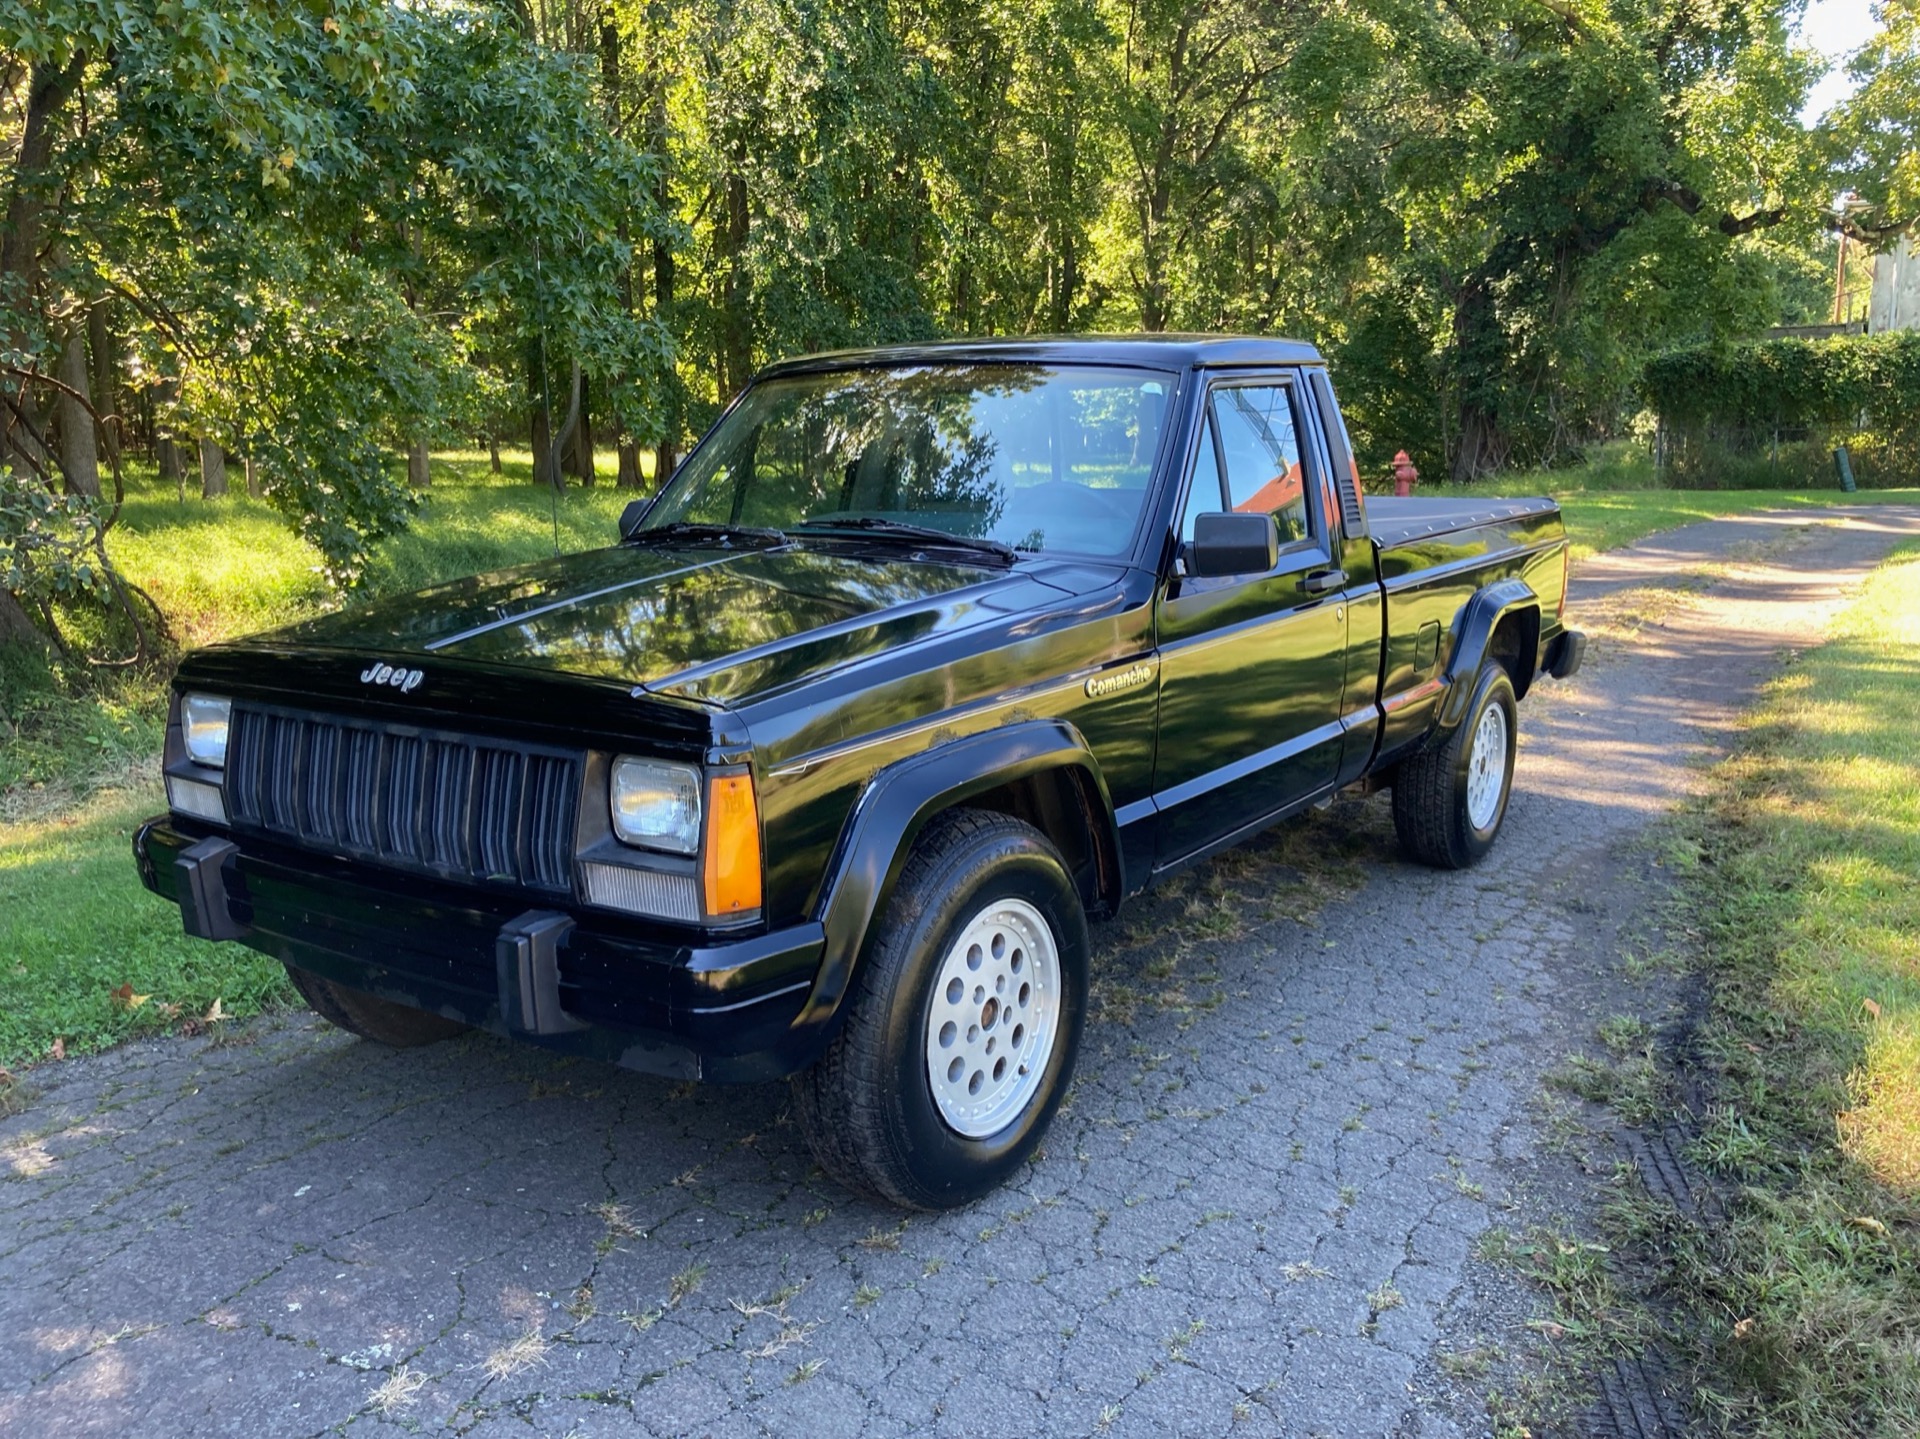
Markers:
point(728, 1011)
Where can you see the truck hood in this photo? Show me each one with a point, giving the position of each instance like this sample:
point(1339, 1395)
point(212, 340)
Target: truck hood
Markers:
point(707, 624)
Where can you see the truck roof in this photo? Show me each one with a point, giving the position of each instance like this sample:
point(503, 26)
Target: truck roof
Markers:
point(1171, 352)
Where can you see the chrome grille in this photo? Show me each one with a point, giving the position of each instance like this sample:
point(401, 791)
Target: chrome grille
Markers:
point(443, 804)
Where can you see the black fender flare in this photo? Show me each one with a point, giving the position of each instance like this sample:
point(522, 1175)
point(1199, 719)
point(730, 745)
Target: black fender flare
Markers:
point(1472, 637)
point(896, 806)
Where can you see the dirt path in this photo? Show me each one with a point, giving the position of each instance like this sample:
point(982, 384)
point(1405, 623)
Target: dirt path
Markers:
point(1257, 1216)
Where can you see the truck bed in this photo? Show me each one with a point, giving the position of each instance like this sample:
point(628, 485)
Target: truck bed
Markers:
point(1396, 521)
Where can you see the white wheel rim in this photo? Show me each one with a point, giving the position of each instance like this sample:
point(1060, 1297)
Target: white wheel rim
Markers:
point(994, 1018)
point(1487, 767)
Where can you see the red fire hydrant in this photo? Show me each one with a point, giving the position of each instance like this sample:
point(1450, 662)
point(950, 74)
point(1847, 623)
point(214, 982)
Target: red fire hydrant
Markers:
point(1405, 476)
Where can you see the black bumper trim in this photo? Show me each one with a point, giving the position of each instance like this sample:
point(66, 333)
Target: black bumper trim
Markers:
point(731, 1011)
point(526, 957)
point(199, 879)
point(1564, 655)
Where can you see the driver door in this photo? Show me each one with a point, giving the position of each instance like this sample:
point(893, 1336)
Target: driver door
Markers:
point(1252, 666)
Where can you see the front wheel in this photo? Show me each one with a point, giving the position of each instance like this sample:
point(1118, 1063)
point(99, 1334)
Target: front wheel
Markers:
point(1449, 800)
point(965, 1020)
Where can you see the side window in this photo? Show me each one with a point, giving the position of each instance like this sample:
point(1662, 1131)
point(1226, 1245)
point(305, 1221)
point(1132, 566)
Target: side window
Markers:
point(1261, 446)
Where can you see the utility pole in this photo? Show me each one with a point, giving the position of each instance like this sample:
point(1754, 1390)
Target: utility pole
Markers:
point(1840, 282)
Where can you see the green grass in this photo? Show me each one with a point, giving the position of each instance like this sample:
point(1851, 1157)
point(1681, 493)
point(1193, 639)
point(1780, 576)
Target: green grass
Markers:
point(75, 926)
point(227, 567)
point(1806, 1307)
point(60, 740)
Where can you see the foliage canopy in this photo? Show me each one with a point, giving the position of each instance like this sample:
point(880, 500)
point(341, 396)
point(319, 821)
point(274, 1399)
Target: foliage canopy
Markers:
point(309, 235)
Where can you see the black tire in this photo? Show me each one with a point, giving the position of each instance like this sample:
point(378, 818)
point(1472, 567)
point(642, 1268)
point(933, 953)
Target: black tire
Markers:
point(867, 1107)
point(381, 1020)
point(1431, 813)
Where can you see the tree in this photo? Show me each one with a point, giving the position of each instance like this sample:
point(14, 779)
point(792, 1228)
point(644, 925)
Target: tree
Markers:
point(322, 216)
point(1881, 124)
point(1571, 188)
point(329, 234)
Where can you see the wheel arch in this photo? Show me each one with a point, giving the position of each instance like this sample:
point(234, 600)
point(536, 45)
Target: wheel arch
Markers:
point(1038, 771)
point(1501, 623)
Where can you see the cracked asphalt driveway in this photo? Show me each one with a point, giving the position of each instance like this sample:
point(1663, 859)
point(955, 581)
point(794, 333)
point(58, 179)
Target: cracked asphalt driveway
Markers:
point(1257, 1215)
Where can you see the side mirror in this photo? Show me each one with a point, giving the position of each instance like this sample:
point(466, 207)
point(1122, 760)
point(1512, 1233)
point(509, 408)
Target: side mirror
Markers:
point(1233, 544)
point(631, 516)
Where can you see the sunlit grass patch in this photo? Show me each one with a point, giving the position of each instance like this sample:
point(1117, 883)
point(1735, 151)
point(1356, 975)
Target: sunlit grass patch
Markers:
point(230, 566)
point(1830, 830)
point(59, 741)
point(1807, 894)
point(217, 567)
point(87, 957)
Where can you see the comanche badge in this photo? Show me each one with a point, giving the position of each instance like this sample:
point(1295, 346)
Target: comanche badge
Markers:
point(1125, 679)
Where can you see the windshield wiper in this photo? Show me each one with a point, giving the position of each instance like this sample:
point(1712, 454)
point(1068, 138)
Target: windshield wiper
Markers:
point(905, 530)
point(727, 535)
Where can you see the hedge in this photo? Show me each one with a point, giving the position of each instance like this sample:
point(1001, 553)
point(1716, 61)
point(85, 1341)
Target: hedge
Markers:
point(1770, 413)
point(1865, 382)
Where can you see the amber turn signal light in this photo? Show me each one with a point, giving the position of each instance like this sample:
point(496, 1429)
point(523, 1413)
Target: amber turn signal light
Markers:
point(733, 847)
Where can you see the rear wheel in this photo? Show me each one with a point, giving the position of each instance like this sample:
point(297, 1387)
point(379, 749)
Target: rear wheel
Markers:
point(1449, 800)
point(964, 1023)
point(380, 1020)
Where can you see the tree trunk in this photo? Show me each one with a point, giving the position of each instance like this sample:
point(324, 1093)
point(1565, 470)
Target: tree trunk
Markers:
point(664, 275)
point(24, 433)
point(1482, 448)
point(549, 450)
point(493, 452)
point(213, 470)
point(663, 257)
point(1479, 359)
point(47, 92)
point(630, 477)
point(166, 449)
point(610, 68)
point(1064, 281)
point(419, 472)
point(79, 459)
point(580, 446)
point(736, 282)
point(545, 472)
point(106, 383)
point(540, 423)
point(254, 489)
point(21, 237)
point(17, 626)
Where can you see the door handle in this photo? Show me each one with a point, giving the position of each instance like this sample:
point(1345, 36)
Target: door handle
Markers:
point(1320, 582)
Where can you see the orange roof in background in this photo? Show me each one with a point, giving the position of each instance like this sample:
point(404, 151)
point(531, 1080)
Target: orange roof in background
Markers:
point(1275, 494)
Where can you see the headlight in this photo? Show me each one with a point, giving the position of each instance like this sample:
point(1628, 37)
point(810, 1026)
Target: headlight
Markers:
point(657, 804)
point(203, 728)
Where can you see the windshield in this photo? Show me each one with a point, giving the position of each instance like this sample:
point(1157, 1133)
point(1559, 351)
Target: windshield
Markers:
point(1034, 457)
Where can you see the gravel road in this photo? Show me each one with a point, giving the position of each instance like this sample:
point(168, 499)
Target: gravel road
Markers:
point(1257, 1216)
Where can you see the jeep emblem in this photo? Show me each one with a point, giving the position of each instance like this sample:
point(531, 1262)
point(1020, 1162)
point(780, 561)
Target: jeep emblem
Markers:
point(404, 680)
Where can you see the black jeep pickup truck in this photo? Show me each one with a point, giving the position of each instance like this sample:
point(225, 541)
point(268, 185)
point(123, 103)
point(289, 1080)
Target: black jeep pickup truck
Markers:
point(922, 658)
